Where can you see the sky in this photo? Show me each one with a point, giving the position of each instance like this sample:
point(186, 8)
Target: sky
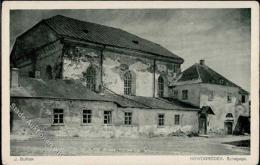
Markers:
point(219, 36)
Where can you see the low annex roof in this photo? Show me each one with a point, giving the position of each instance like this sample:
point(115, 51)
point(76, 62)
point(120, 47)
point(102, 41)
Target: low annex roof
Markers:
point(63, 89)
point(206, 75)
point(161, 103)
point(73, 89)
point(32, 87)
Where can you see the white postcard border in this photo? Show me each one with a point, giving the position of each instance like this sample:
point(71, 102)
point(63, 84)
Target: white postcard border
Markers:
point(113, 160)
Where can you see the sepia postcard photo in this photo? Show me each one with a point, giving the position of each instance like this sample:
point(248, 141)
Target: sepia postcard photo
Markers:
point(130, 82)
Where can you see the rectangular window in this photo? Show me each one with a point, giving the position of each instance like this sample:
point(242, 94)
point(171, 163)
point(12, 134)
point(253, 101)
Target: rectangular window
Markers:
point(107, 117)
point(229, 97)
point(128, 118)
point(177, 119)
point(31, 74)
point(86, 116)
point(184, 94)
point(160, 119)
point(57, 116)
point(37, 73)
point(243, 98)
point(211, 95)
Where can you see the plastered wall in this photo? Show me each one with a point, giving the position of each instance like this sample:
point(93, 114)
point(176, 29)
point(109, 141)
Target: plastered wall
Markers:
point(116, 65)
point(145, 74)
point(49, 55)
point(144, 121)
point(193, 93)
point(77, 60)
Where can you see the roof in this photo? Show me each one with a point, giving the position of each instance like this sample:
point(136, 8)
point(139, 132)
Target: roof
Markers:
point(161, 103)
point(123, 101)
point(32, 87)
point(74, 89)
point(96, 33)
point(243, 92)
point(190, 74)
point(206, 75)
point(207, 110)
point(64, 89)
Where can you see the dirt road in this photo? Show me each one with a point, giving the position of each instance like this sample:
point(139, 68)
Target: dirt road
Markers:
point(132, 146)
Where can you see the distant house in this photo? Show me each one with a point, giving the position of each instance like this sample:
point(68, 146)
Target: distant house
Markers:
point(224, 105)
point(85, 79)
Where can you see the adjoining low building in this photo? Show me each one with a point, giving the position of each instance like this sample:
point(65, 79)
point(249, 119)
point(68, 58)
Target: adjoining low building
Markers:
point(67, 108)
point(76, 78)
point(225, 105)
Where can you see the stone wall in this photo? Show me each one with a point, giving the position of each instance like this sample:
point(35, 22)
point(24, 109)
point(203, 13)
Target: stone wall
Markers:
point(39, 42)
point(193, 93)
point(169, 73)
point(199, 95)
point(71, 61)
point(77, 59)
point(37, 37)
point(144, 121)
point(40, 112)
point(50, 55)
point(116, 65)
point(220, 105)
point(142, 70)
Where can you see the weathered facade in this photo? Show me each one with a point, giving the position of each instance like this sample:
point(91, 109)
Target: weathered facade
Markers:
point(77, 78)
point(201, 86)
point(38, 99)
point(47, 51)
point(144, 121)
point(84, 79)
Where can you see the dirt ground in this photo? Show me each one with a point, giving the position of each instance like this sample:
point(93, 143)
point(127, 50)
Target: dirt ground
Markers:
point(132, 146)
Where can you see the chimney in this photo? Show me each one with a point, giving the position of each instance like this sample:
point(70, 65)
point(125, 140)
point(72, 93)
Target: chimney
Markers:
point(202, 62)
point(14, 77)
point(101, 90)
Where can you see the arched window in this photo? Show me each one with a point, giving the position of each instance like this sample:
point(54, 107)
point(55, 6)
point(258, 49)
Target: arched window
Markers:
point(229, 115)
point(49, 72)
point(127, 83)
point(91, 78)
point(160, 86)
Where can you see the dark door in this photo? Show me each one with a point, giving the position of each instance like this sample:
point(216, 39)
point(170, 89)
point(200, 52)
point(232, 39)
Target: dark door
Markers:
point(229, 126)
point(202, 125)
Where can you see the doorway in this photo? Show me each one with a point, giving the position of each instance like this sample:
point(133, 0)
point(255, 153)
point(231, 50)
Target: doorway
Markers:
point(203, 124)
point(49, 72)
point(229, 127)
